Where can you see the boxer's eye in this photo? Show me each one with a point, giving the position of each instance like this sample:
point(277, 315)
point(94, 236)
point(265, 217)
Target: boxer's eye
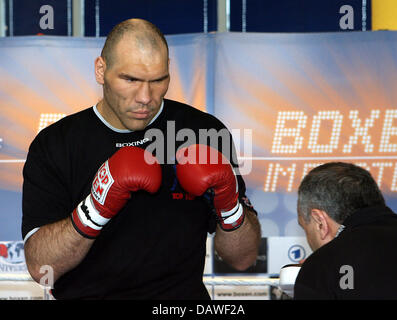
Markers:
point(131, 79)
point(128, 78)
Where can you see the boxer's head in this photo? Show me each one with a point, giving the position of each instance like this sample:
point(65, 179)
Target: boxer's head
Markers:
point(133, 70)
point(329, 194)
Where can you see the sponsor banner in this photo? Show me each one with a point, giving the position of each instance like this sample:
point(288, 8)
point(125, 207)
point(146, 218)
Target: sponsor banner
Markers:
point(308, 99)
point(231, 292)
point(286, 250)
point(12, 257)
point(22, 290)
point(15, 281)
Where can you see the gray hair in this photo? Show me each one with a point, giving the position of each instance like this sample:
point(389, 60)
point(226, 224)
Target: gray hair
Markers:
point(339, 189)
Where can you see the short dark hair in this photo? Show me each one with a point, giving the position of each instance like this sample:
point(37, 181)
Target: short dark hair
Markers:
point(339, 189)
point(146, 30)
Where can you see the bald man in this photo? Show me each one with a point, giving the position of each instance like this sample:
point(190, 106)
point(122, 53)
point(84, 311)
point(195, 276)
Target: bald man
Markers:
point(108, 223)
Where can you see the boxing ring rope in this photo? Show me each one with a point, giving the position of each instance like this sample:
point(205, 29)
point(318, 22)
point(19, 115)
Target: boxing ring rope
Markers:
point(241, 281)
point(33, 289)
point(213, 280)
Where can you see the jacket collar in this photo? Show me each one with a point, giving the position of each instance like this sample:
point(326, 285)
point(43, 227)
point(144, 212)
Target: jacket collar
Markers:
point(368, 215)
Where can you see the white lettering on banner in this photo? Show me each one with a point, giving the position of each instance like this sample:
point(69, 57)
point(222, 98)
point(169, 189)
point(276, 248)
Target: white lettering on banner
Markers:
point(48, 118)
point(282, 131)
point(278, 175)
point(361, 131)
point(369, 141)
point(336, 119)
point(385, 142)
point(271, 179)
point(387, 133)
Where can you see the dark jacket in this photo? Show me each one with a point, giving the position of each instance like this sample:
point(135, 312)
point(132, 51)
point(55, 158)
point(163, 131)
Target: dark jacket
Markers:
point(361, 263)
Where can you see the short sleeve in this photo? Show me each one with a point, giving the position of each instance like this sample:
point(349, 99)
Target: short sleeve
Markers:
point(44, 192)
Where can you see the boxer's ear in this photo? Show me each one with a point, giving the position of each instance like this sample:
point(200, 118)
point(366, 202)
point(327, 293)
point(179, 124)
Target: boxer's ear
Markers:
point(321, 221)
point(100, 68)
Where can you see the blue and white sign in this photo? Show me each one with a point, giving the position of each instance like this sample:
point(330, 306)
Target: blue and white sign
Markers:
point(296, 253)
point(12, 257)
point(285, 250)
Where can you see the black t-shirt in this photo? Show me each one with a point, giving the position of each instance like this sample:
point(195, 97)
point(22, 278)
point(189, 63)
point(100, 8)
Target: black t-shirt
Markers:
point(154, 248)
point(359, 264)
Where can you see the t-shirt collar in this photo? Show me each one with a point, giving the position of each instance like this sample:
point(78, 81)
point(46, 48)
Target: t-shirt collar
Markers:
point(125, 130)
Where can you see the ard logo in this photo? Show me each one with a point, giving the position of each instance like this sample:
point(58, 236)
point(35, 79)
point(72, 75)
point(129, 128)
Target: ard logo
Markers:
point(296, 253)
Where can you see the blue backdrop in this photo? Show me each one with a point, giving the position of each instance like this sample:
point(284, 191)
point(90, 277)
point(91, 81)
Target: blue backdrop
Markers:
point(297, 99)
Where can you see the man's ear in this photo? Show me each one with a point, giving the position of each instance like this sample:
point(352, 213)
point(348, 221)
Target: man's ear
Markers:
point(100, 68)
point(321, 221)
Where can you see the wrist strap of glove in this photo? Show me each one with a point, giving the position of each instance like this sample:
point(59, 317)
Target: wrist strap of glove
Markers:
point(232, 219)
point(87, 220)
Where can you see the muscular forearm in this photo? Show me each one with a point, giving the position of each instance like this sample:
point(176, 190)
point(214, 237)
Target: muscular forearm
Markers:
point(239, 248)
point(57, 245)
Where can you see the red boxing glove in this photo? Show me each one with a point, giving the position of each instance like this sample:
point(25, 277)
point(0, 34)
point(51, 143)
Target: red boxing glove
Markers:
point(129, 169)
point(201, 168)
